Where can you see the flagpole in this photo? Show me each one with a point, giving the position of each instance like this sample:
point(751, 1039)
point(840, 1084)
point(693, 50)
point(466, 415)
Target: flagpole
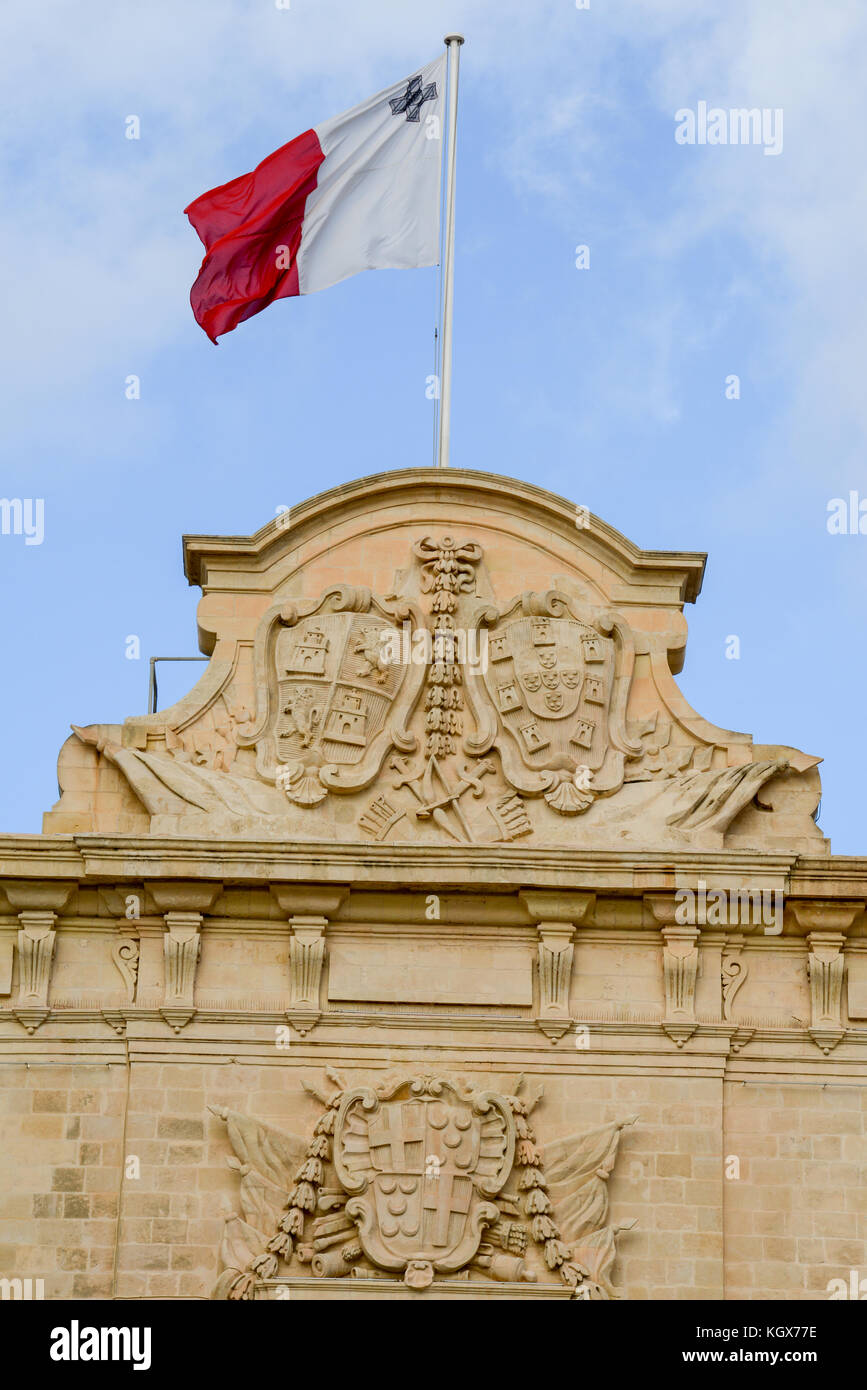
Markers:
point(453, 44)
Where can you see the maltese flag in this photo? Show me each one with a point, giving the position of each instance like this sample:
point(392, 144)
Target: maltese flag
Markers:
point(360, 192)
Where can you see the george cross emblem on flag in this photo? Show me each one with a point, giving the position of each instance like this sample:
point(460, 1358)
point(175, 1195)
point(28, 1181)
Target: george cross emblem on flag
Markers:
point(413, 99)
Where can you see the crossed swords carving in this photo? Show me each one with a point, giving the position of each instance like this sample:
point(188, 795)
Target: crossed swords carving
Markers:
point(432, 806)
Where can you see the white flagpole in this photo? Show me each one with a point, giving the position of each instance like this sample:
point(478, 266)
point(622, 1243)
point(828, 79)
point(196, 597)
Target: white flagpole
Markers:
point(453, 44)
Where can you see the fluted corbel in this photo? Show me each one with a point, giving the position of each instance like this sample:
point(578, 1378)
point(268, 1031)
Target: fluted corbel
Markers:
point(557, 915)
point(308, 910)
point(38, 906)
point(183, 905)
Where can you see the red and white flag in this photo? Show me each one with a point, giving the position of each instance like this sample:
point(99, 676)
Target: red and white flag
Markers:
point(360, 192)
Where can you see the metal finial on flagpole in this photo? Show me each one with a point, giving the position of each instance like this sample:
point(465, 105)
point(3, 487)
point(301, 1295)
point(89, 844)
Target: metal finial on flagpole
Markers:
point(453, 44)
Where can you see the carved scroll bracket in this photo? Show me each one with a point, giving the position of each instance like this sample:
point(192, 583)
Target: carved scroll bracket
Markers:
point(733, 970)
point(125, 953)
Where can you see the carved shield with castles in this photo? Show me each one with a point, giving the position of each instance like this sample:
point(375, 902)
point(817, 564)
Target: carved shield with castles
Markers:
point(334, 700)
point(551, 681)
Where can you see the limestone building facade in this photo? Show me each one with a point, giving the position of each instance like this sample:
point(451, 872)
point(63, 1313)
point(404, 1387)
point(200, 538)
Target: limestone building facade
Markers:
point(432, 946)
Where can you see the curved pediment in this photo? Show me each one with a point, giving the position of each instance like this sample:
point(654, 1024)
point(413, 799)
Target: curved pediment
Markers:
point(444, 658)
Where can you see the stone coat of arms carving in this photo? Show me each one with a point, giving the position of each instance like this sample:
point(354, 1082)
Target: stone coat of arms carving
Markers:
point(423, 1164)
point(424, 1178)
point(505, 719)
point(332, 706)
point(555, 691)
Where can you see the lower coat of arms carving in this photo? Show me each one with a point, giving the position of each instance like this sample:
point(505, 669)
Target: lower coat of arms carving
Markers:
point(425, 1178)
point(424, 1164)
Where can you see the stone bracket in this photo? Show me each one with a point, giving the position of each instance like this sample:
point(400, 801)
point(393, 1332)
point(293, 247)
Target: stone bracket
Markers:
point(826, 969)
point(31, 1018)
point(680, 970)
point(309, 908)
point(182, 945)
point(557, 914)
point(555, 953)
point(125, 953)
point(306, 959)
point(740, 1037)
point(36, 941)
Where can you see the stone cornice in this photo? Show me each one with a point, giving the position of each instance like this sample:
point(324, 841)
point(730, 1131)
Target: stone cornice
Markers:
point(681, 570)
point(111, 859)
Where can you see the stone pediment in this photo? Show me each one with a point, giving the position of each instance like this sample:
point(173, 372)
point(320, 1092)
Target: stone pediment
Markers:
point(444, 659)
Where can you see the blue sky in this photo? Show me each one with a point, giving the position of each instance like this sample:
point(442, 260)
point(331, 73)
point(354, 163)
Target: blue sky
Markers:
point(605, 385)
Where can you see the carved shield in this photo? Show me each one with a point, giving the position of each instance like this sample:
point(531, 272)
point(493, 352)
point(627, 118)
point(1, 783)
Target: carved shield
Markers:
point(424, 1162)
point(551, 680)
point(335, 684)
point(335, 687)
